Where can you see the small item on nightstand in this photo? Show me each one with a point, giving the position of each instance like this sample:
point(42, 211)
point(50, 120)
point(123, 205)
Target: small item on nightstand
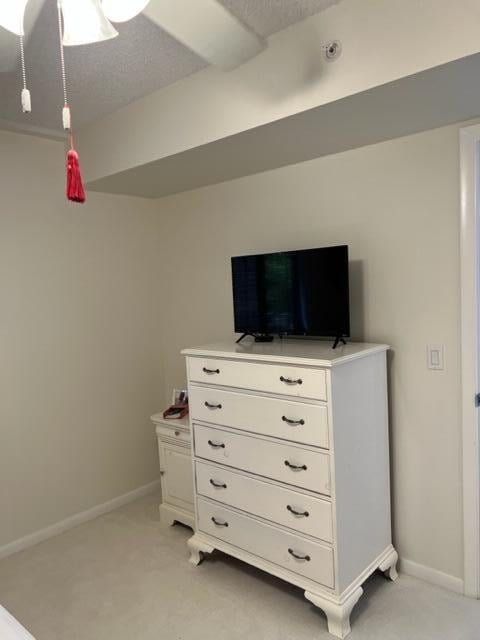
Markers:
point(179, 407)
point(176, 411)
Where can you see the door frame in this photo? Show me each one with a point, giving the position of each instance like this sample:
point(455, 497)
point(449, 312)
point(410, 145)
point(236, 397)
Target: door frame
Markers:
point(470, 326)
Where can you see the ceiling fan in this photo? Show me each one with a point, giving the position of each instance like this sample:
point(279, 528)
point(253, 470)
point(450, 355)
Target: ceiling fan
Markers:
point(204, 26)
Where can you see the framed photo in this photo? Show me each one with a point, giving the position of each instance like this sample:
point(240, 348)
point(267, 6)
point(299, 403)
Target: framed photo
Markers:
point(180, 396)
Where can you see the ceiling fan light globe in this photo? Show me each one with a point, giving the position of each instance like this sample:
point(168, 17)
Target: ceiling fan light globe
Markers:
point(123, 10)
point(84, 23)
point(11, 15)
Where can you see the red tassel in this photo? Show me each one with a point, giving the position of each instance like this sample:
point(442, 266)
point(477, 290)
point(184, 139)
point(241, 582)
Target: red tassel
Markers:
point(75, 190)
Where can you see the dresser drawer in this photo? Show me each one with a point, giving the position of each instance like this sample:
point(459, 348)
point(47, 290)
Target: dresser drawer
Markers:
point(286, 463)
point(285, 419)
point(304, 557)
point(283, 379)
point(298, 511)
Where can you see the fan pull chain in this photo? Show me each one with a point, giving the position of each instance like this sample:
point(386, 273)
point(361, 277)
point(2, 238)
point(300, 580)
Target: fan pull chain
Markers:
point(66, 116)
point(25, 95)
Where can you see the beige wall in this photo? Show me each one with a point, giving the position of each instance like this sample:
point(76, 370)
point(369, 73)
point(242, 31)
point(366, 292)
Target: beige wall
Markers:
point(85, 332)
point(396, 205)
point(80, 369)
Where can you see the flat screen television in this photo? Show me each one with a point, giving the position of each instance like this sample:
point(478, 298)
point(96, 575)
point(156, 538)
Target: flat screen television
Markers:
point(298, 293)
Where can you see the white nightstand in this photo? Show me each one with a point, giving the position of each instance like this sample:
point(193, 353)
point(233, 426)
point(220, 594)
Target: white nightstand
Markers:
point(174, 448)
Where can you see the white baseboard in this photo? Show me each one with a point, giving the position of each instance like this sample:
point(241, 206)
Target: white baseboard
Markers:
point(75, 520)
point(431, 575)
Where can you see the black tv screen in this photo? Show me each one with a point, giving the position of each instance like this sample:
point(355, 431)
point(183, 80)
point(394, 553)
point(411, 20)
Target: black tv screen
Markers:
point(292, 293)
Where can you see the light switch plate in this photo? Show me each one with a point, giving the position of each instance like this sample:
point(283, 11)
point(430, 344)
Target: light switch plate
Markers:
point(436, 357)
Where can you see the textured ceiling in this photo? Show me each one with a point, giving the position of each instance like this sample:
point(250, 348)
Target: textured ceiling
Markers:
point(105, 76)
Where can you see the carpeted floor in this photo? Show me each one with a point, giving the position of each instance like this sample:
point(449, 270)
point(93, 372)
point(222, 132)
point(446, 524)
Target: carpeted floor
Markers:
point(126, 577)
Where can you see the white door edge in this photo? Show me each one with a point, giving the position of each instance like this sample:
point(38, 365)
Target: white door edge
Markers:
point(470, 300)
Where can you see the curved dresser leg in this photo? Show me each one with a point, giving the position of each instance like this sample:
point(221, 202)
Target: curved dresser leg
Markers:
point(338, 615)
point(197, 549)
point(389, 565)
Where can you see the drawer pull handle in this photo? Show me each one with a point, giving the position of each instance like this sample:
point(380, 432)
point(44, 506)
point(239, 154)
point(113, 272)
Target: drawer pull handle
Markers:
point(293, 423)
point(297, 556)
point(210, 371)
point(296, 467)
point(213, 406)
point(291, 380)
point(218, 485)
point(219, 524)
point(305, 514)
point(216, 445)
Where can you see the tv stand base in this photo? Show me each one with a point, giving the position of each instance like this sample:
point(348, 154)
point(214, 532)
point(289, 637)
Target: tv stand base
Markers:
point(338, 339)
point(259, 337)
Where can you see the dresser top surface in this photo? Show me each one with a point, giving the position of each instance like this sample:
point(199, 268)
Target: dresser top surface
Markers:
point(307, 352)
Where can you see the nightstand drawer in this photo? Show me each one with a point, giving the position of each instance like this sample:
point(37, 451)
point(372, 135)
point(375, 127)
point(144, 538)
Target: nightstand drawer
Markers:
point(181, 436)
point(285, 419)
point(285, 463)
point(304, 557)
point(304, 513)
point(301, 382)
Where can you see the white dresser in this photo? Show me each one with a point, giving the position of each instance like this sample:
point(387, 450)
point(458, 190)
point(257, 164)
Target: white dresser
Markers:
point(11, 629)
point(174, 445)
point(291, 464)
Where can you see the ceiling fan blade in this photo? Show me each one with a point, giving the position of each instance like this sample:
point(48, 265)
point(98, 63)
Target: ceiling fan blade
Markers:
point(206, 27)
point(9, 44)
